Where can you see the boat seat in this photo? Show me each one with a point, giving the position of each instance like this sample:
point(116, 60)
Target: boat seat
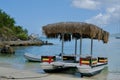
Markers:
point(48, 59)
point(68, 58)
point(102, 60)
point(87, 61)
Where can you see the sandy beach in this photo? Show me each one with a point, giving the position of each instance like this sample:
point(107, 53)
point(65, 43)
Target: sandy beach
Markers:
point(13, 74)
point(7, 73)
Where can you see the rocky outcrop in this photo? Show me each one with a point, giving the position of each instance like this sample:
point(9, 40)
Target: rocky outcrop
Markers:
point(24, 43)
point(7, 50)
point(21, 43)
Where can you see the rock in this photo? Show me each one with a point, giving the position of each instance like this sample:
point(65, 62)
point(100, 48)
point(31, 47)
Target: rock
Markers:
point(33, 37)
point(7, 50)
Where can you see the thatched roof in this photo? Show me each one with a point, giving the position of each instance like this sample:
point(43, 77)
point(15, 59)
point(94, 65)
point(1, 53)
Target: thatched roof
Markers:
point(75, 30)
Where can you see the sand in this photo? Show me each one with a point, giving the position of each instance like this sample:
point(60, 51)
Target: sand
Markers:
point(14, 74)
point(8, 73)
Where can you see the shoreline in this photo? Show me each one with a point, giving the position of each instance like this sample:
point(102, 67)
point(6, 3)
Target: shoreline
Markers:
point(8, 72)
point(13, 74)
point(24, 43)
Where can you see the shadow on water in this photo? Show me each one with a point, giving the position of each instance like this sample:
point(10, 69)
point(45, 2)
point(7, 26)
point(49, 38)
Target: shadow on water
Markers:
point(7, 55)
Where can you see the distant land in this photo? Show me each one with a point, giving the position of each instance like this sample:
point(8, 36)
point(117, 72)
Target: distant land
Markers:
point(15, 35)
point(115, 35)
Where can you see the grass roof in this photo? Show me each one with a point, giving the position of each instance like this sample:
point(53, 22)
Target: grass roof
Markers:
point(75, 30)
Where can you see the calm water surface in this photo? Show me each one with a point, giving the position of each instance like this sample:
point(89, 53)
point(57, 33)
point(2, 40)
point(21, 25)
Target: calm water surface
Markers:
point(110, 50)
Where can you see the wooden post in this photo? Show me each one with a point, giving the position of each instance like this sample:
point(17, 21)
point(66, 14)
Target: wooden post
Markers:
point(62, 49)
point(75, 46)
point(80, 46)
point(80, 50)
point(91, 51)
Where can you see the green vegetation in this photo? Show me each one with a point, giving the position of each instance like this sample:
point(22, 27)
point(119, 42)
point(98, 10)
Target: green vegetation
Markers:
point(8, 29)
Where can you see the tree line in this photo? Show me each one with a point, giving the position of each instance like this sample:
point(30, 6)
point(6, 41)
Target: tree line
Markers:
point(8, 29)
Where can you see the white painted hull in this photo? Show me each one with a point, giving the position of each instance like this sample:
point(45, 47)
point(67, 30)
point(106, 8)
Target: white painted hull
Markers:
point(87, 70)
point(55, 67)
point(37, 58)
point(50, 67)
point(46, 66)
point(33, 58)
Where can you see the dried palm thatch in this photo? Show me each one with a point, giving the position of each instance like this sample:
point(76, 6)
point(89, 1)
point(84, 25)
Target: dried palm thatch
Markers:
point(75, 30)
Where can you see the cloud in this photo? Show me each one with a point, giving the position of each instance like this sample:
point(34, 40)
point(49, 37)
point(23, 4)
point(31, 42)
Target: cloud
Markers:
point(110, 10)
point(111, 16)
point(100, 19)
point(86, 4)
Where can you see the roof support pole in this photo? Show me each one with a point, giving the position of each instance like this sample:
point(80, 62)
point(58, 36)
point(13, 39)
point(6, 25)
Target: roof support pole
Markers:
point(80, 46)
point(80, 57)
point(62, 49)
point(91, 53)
point(75, 46)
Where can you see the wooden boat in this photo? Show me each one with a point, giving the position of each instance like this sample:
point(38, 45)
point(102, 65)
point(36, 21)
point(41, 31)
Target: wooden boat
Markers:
point(88, 65)
point(83, 66)
point(86, 69)
point(51, 64)
point(47, 65)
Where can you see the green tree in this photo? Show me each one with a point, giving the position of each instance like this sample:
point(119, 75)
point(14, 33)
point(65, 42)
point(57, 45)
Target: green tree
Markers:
point(6, 20)
point(9, 29)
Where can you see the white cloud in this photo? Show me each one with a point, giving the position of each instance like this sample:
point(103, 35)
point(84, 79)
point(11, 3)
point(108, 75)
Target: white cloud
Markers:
point(87, 4)
point(111, 8)
point(111, 16)
point(114, 12)
point(99, 19)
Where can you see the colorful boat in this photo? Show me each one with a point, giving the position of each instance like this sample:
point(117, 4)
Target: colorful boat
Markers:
point(90, 67)
point(66, 31)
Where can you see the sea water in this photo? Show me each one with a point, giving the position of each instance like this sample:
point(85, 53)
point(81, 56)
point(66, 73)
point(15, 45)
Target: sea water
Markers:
point(110, 50)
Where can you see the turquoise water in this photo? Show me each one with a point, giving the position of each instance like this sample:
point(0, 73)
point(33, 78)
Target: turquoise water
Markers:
point(110, 50)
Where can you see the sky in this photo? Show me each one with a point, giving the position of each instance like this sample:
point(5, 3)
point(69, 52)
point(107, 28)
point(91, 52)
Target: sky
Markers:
point(33, 14)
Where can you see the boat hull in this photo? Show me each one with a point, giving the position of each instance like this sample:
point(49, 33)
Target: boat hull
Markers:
point(32, 58)
point(90, 71)
point(50, 68)
point(90, 74)
point(56, 68)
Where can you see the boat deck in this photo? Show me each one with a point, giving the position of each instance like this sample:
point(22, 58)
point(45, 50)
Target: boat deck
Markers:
point(68, 64)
